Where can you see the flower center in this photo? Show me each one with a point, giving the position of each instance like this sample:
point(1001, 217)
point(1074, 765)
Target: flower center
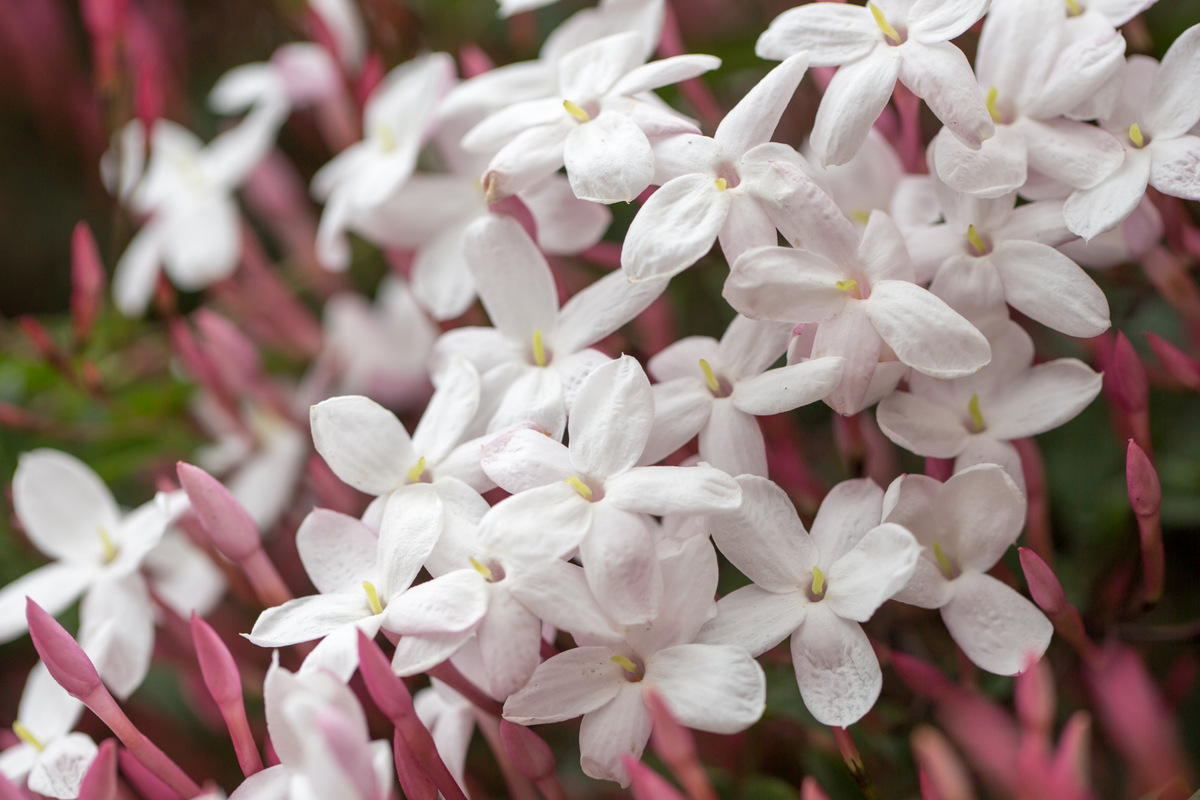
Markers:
point(417, 471)
point(880, 20)
point(539, 349)
point(578, 112)
point(977, 423)
point(387, 142)
point(944, 563)
point(492, 574)
point(26, 736)
point(816, 592)
point(110, 550)
point(1074, 9)
point(718, 386)
point(979, 245)
point(581, 487)
point(372, 597)
point(633, 671)
point(993, 110)
point(1136, 136)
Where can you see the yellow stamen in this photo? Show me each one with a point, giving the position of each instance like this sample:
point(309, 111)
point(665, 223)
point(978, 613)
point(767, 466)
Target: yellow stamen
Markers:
point(883, 24)
point(1135, 136)
point(722, 184)
point(1073, 8)
point(26, 736)
point(416, 472)
point(110, 550)
point(372, 597)
point(580, 487)
point(818, 586)
point(991, 105)
point(711, 378)
point(976, 414)
point(384, 134)
point(576, 112)
point(481, 569)
point(539, 350)
point(624, 663)
point(846, 286)
point(976, 240)
point(860, 215)
point(942, 560)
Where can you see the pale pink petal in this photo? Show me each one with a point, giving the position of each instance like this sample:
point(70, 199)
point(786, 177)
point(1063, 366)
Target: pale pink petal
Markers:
point(1173, 108)
point(590, 71)
point(747, 226)
point(452, 603)
point(538, 525)
point(848, 512)
point(337, 550)
point(785, 284)
point(415, 654)
point(599, 310)
point(1042, 398)
point(754, 619)
point(413, 520)
point(920, 426)
point(764, 537)
point(938, 72)
point(689, 568)
point(681, 409)
point(565, 224)
point(308, 618)
point(675, 228)
point(681, 359)
point(830, 34)
point(872, 571)
point(925, 333)
point(732, 442)
point(1175, 167)
point(752, 121)
point(54, 587)
point(363, 443)
point(836, 668)
point(996, 168)
point(569, 684)
point(558, 593)
point(536, 396)
point(532, 157)
point(618, 729)
point(610, 419)
point(852, 337)
point(942, 20)
point(512, 277)
point(1092, 211)
point(657, 74)
point(673, 490)
point(750, 346)
point(63, 505)
point(608, 159)
point(509, 642)
point(983, 449)
point(522, 459)
point(716, 688)
point(1075, 153)
point(1045, 285)
point(998, 629)
point(618, 558)
point(449, 412)
point(852, 102)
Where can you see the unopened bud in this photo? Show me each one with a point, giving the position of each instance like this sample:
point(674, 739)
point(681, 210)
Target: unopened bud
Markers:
point(529, 752)
point(1128, 376)
point(1145, 492)
point(224, 683)
point(87, 281)
point(811, 790)
point(227, 523)
point(1043, 583)
point(646, 784)
point(63, 656)
point(1034, 697)
point(1179, 364)
point(936, 758)
point(100, 780)
point(229, 350)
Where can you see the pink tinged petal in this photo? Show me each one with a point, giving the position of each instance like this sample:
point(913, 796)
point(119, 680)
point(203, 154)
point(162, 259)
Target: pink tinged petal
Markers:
point(675, 228)
point(523, 459)
point(689, 568)
point(875, 569)
point(54, 587)
point(452, 603)
point(747, 226)
point(575, 682)
point(509, 642)
point(512, 276)
point(940, 21)
point(1081, 70)
point(805, 213)
point(337, 550)
point(764, 537)
point(848, 512)
point(924, 332)
point(998, 629)
point(927, 588)
point(59, 769)
point(338, 651)
point(681, 409)
point(137, 270)
point(449, 412)
point(732, 442)
point(417, 653)
point(621, 567)
point(882, 251)
point(619, 729)
point(754, 619)
point(273, 783)
point(600, 309)
point(1173, 108)
point(1078, 154)
point(608, 159)
point(657, 74)
point(789, 285)
point(940, 74)
point(538, 525)
point(851, 336)
point(308, 618)
point(752, 121)
point(590, 71)
point(1045, 285)
point(750, 346)
point(1042, 398)
point(532, 157)
point(673, 490)
point(920, 426)
point(536, 396)
point(363, 443)
point(995, 169)
point(63, 505)
point(565, 224)
point(125, 605)
point(1175, 167)
point(852, 102)
point(715, 688)
point(830, 35)
point(836, 669)
point(610, 419)
point(982, 449)
point(984, 512)
point(412, 522)
point(1092, 211)
point(558, 593)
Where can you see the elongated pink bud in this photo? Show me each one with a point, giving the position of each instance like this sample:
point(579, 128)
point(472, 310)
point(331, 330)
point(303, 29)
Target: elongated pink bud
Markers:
point(532, 757)
point(231, 352)
point(144, 782)
point(811, 790)
point(87, 281)
point(224, 683)
point(936, 758)
point(63, 656)
point(474, 61)
point(1127, 378)
point(1179, 364)
point(1145, 495)
point(414, 780)
point(148, 98)
point(1043, 583)
point(228, 524)
point(1072, 760)
point(674, 744)
point(1034, 697)
point(648, 784)
point(100, 781)
point(928, 790)
point(8, 791)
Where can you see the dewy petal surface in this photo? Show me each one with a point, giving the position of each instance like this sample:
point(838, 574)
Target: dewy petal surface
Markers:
point(716, 688)
point(611, 418)
point(997, 628)
point(836, 668)
point(675, 228)
point(569, 684)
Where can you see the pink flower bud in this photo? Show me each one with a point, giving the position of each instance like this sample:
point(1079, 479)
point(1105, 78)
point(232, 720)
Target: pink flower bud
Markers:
point(1034, 697)
point(811, 790)
point(1072, 760)
point(414, 780)
point(1179, 364)
point(228, 524)
point(229, 350)
point(1128, 376)
point(529, 752)
point(1043, 583)
point(648, 784)
point(474, 61)
point(143, 781)
point(63, 656)
point(936, 758)
point(42, 341)
point(148, 98)
point(100, 781)
point(224, 683)
point(1145, 492)
point(87, 281)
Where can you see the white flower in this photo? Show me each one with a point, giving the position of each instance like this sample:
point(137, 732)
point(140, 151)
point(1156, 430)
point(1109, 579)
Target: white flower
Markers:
point(610, 423)
point(964, 526)
point(597, 126)
point(859, 287)
point(451, 720)
point(866, 182)
point(715, 389)
point(1157, 107)
point(534, 359)
point(709, 186)
point(345, 25)
point(889, 40)
point(815, 587)
point(973, 419)
point(715, 688)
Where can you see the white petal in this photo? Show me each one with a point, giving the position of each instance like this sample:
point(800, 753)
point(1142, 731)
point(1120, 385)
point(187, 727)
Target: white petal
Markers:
point(124, 603)
point(747, 226)
point(939, 73)
point(681, 359)
point(1172, 107)
point(732, 442)
point(363, 443)
point(565, 224)
point(750, 346)
point(590, 71)
point(831, 35)
point(996, 168)
point(657, 74)
point(600, 309)
point(681, 409)
point(273, 783)
point(998, 629)
point(610, 419)
point(852, 102)
point(567, 685)
point(558, 593)
point(796, 199)
point(920, 426)
point(415, 654)
point(532, 157)
point(1045, 285)
point(62, 505)
point(673, 490)
point(983, 512)
point(924, 332)
point(619, 561)
point(452, 603)
point(983, 449)
point(764, 537)
point(882, 251)
point(462, 510)
point(59, 769)
point(449, 412)
point(137, 270)
point(848, 512)
point(338, 652)
point(512, 277)
point(538, 525)
point(675, 228)
point(509, 641)
point(851, 336)
point(690, 573)
point(306, 618)
point(608, 159)
point(874, 570)
point(779, 283)
point(537, 396)
point(337, 550)
point(783, 389)
point(716, 688)
point(1080, 71)
point(200, 244)
point(1075, 153)
point(1043, 398)
point(940, 21)
point(506, 124)
point(619, 728)
point(836, 668)
point(752, 121)
point(45, 708)
point(1175, 169)
point(522, 459)
point(412, 522)
point(1092, 211)
point(755, 619)
point(54, 587)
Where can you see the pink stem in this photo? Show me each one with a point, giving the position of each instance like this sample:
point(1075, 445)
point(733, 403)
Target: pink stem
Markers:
point(675, 746)
point(448, 674)
point(694, 89)
point(146, 752)
point(265, 579)
point(224, 683)
point(100, 781)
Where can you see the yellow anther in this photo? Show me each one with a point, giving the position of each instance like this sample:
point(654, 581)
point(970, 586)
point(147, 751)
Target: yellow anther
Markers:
point(416, 472)
point(943, 561)
point(860, 215)
point(883, 24)
point(26, 736)
point(539, 350)
point(384, 134)
point(372, 597)
point(991, 105)
point(110, 550)
point(624, 663)
point(1135, 136)
point(576, 112)
point(722, 184)
point(976, 240)
point(818, 586)
point(709, 376)
point(1073, 8)
point(482, 569)
point(976, 414)
point(580, 487)
point(846, 286)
